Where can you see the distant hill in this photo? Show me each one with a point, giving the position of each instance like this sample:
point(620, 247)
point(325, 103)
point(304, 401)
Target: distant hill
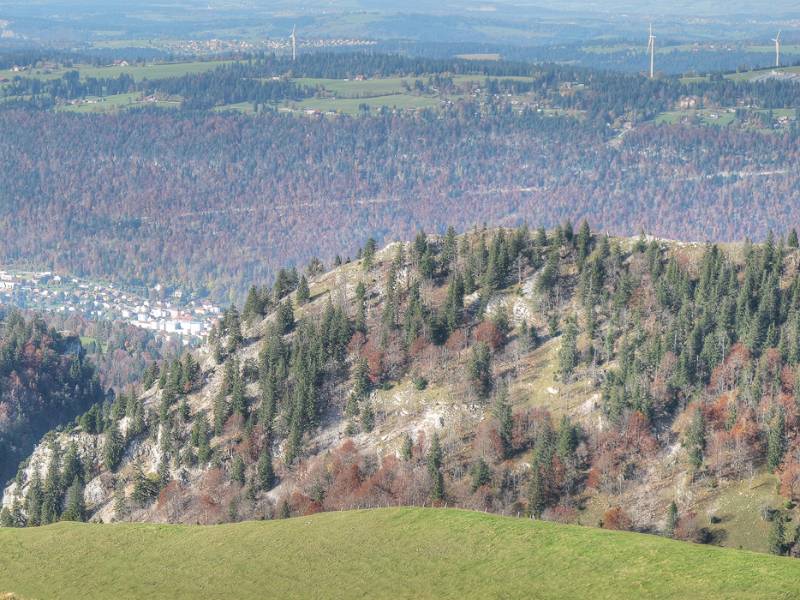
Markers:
point(388, 553)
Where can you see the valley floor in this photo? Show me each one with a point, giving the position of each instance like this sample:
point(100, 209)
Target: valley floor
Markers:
point(385, 553)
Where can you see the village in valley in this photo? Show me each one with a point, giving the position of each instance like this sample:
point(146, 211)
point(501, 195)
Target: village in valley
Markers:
point(171, 314)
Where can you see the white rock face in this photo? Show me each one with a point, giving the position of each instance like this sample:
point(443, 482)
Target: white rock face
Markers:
point(89, 447)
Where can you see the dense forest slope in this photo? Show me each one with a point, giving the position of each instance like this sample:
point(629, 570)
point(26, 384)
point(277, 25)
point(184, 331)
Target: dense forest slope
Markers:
point(214, 198)
point(627, 383)
point(44, 382)
point(394, 553)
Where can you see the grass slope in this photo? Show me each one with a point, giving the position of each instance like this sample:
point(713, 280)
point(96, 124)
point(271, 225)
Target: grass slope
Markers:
point(389, 553)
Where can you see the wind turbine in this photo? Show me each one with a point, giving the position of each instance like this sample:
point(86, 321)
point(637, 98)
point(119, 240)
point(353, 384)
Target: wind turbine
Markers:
point(651, 48)
point(293, 39)
point(777, 41)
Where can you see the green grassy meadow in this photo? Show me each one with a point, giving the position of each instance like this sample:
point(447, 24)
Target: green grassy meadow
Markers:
point(387, 553)
point(144, 71)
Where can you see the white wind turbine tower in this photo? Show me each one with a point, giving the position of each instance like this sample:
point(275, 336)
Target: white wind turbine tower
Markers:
point(651, 48)
point(777, 41)
point(293, 39)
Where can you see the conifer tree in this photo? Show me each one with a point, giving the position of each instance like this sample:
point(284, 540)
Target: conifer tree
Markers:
point(34, 499)
point(145, 488)
point(237, 469)
point(481, 474)
point(792, 242)
point(234, 330)
point(284, 319)
point(434, 462)
point(480, 370)
point(361, 308)
point(568, 353)
point(75, 509)
point(113, 448)
point(221, 411)
point(505, 421)
point(266, 474)
point(72, 466)
point(672, 518)
point(368, 255)
point(696, 439)
point(406, 450)
point(238, 401)
point(536, 492)
point(777, 535)
point(303, 293)
point(583, 243)
point(121, 507)
point(776, 441)
point(51, 503)
point(367, 417)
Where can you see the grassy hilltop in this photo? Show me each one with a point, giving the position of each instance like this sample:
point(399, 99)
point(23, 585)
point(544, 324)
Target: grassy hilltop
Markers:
point(388, 553)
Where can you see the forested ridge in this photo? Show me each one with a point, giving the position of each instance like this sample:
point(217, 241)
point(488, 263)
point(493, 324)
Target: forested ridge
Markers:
point(405, 378)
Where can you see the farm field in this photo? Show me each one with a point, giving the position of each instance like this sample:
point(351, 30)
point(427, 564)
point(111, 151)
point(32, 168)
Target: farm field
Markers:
point(145, 71)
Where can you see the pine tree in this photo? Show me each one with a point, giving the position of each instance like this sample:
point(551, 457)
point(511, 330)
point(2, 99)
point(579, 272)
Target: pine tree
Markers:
point(145, 488)
point(480, 473)
point(149, 376)
point(407, 449)
point(367, 417)
point(449, 249)
point(696, 439)
point(567, 440)
point(238, 401)
point(234, 330)
point(368, 254)
point(435, 469)
point(113, 448)
point(361, 308)
point(284, 319)
point(221, 411)
point(672, 518)
point(75, 509)
point(266, 474)
point(776, 441)
point(536, 492)
point(303, 293)
point(792, 242)
point(361, 382)
point(72, 466)
point(505, 421)
point(480, 370)
point(34, 498)
point(251, 305)
point(121, 508)
point(777, 535)
point(454, 303)
point(51, 503)
point(237, 470)
point(583, 243)
point(568, 353)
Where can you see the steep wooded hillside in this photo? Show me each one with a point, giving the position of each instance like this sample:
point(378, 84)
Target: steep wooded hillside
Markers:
point(628, 383)
point(44, 382)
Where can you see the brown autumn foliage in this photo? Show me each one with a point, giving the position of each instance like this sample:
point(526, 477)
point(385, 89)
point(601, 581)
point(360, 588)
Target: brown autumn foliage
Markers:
point(489, 333)
point(616, 518)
